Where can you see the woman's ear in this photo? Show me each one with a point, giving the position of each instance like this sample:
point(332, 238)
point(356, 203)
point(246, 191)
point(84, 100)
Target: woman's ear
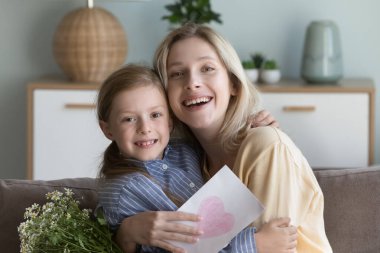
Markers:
point(105, 129)
point(233, 89)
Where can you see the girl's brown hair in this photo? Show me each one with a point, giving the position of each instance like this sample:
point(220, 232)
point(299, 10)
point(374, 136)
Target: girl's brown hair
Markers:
point(126, 78)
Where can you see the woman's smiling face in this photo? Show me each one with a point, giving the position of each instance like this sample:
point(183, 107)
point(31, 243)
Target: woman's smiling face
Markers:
point(199, 88)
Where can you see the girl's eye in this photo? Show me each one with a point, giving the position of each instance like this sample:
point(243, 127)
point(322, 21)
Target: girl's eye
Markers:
point(129, 119)
point(156, 115)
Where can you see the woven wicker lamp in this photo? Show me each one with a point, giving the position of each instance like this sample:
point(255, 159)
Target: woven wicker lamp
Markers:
point(89, 44)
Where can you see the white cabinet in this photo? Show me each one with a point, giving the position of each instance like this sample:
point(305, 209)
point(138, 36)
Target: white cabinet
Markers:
point(332, 125)
point(64, 138)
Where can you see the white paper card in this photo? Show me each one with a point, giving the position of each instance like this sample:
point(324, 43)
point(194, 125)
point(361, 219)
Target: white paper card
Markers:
point(226, 205)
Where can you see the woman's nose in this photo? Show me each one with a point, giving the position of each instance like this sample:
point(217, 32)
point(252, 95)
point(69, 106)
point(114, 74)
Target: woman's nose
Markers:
point(193, 81)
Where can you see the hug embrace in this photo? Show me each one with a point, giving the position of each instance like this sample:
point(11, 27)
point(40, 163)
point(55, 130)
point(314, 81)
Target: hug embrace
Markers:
point(198, 90)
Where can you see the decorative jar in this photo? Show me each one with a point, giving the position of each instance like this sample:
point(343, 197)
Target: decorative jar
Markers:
point(322, 54)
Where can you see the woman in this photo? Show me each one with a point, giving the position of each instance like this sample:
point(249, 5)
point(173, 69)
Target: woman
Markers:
point(209, 92)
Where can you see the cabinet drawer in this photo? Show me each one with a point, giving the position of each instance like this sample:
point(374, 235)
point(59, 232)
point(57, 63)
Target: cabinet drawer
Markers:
point(67, 140)
point(331, 129)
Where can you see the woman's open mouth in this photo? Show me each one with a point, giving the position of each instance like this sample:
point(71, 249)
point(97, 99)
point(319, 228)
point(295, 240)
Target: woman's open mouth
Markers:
point(197, 101)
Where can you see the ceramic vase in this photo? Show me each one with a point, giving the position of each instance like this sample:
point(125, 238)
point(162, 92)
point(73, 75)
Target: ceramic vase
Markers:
point(270, 76)
point(322, 55)
point(252, 74)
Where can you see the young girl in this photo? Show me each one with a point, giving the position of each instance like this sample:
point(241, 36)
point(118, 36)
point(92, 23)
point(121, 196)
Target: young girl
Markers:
point(144, 171)
point(209, 92)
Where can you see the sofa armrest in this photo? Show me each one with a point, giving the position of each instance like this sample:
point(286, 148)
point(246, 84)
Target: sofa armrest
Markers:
point(352, 208)
point(16, 195)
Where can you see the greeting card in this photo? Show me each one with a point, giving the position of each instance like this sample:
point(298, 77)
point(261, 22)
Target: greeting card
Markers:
point(226, 205)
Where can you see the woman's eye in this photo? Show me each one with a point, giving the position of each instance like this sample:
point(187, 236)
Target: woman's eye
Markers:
point(207, 69)
point(176, 74)
point(156, 115)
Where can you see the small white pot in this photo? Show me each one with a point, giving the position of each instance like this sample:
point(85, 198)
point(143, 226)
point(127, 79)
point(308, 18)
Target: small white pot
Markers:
point(270, 76)
point(252, 74)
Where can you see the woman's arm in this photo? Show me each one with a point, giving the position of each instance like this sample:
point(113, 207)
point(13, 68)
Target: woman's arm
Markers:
point(155, 229)
point(276, 236)
point(276, 171)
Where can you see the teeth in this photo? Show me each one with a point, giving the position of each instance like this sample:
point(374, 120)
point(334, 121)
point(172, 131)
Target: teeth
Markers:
point(145, 143)
point(197, 101)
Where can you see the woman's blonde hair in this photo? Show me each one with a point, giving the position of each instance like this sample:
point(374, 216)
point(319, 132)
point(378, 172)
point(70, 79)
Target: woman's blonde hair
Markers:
point(241, 106)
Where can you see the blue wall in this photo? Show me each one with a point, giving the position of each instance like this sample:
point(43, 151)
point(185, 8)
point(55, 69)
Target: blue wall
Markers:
point(273, 27)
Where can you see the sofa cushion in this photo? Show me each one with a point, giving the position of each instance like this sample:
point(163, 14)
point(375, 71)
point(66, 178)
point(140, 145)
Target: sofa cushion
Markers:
point(16, 195)
point(352, 208)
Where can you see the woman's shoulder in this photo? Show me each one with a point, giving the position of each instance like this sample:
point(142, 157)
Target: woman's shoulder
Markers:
point(266, 140)
point(265, 137)
point(265, 134)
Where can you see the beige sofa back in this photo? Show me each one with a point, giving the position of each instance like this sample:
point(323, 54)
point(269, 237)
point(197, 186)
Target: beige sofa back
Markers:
point(352, 206)
point(352, 209)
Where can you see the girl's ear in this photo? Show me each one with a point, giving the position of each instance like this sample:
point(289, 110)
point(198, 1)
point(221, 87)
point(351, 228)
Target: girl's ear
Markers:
point(105, 129)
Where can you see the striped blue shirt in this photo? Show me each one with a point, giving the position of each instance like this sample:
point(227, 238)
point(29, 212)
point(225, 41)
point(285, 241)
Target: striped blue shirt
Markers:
point(178, 173)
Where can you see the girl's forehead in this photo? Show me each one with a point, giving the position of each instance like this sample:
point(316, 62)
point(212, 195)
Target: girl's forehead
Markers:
point(138, 97)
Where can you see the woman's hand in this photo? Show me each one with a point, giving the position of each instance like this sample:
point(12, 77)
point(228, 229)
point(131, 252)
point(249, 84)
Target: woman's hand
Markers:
point(277, 236)
point(263, 118)
point(155, 228)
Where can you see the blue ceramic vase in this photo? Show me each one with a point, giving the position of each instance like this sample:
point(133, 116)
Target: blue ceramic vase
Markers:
point(322, 54)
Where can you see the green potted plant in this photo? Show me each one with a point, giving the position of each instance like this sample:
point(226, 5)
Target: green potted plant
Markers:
point(270, 72)
point(250, 70)
point(258, 59)
point(197, 11)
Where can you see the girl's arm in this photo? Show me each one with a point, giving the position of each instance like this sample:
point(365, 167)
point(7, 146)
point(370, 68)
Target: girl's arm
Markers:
point(155, 228)
point(131, 206)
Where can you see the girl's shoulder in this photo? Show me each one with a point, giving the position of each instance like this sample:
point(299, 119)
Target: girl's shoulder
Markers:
point(180, 144)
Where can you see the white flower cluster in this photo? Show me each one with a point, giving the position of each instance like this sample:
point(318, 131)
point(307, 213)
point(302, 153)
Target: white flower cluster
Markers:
point(61, 226)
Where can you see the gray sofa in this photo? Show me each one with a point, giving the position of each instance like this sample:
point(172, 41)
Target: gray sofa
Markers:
point(352, 206)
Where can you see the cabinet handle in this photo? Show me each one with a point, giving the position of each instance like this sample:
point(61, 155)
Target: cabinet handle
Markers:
point(80, 106)
point(304, 108)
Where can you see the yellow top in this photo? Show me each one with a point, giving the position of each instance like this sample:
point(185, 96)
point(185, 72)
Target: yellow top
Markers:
point(274, 169)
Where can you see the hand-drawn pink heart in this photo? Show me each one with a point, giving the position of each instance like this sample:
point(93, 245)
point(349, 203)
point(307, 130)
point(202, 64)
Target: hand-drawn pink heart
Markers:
point(215, 221)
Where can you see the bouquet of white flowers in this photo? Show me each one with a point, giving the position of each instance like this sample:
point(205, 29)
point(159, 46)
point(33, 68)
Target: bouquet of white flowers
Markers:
point(61, 226)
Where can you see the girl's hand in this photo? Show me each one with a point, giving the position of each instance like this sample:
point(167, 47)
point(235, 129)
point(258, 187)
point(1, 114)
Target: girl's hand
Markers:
point(277, 236)
point(155, 228)
point(263, 118)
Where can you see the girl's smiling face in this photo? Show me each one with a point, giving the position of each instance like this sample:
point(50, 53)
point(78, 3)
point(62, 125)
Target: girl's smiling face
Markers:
point(139, 123)
point(199, 88)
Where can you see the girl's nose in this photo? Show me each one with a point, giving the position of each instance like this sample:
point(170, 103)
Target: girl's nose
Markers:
point(143, 128)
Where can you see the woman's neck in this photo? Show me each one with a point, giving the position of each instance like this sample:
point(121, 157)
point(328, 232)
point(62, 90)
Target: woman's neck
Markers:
point(216, 155)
